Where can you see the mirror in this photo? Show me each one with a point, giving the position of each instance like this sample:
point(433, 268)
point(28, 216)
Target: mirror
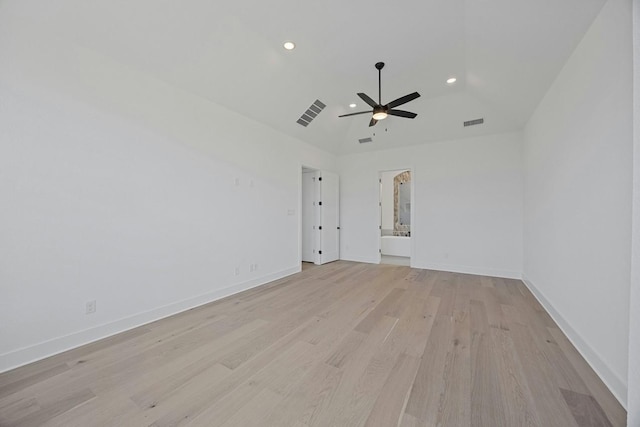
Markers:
point(402, 204)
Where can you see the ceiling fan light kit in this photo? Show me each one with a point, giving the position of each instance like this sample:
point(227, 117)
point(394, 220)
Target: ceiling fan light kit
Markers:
point(381, 112)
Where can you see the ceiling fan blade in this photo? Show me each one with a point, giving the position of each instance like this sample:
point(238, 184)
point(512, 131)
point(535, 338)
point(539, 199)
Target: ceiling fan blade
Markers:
point(402, 113)
point(368, 100)
point(372, 122)
point(355, 114)
point(403, 100)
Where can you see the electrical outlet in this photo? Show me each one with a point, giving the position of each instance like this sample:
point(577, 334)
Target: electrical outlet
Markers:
point(91, 307)
point(255, 267)
point(237, 271)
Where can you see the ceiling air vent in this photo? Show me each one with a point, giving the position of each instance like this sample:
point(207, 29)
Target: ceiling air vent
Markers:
point(311, 113)
point(474, 122)
point(365, 140)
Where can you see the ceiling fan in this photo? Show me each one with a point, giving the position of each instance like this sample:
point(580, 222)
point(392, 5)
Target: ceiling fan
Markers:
point(380, 111)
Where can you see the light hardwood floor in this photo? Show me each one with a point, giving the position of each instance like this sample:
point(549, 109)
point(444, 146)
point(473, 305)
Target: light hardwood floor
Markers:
point(344, 344)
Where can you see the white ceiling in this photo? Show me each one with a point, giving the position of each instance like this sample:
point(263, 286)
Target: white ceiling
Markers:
point(505, 54)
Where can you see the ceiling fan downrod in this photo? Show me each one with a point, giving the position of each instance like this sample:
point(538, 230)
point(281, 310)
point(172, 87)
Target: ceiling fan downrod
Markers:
point(379, 67)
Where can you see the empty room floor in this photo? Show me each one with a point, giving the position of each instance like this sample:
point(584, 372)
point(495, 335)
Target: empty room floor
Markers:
point(344, 344)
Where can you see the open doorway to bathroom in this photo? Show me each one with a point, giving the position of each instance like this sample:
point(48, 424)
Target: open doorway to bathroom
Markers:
point(395, 217)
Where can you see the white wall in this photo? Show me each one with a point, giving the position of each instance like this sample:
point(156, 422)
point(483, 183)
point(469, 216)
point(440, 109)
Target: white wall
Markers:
point(467, 204)
point(118, 188)
point(578, 148)
point(633, 401)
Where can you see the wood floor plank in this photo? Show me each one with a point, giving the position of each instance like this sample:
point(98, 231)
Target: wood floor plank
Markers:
point(412, 331)
point(519, 408)
point(294, 361)
point(350, 391)
point(346, 350)
point(425, 399)
point(585, 409)
point(370, 384)
point(389, 406)
point(26, 380)
point(180, 406)
point(343, 344)
point(610, 405)
point(547, 398)
point(310, 398)
point(108, 411)
point(537, 321)
point(252, 414)
point(410, 421)
point(387, 307)
point(495, 314)
point(59, 405)
point(455, 409)
point(487, 402)
point(13, 411)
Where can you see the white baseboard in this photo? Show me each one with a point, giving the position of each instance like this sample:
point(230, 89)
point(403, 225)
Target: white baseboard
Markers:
point(478, 271)
point(54, 346)
point(617, 386)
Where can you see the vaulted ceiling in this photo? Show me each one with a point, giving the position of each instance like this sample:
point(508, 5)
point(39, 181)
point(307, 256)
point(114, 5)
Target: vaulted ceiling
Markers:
point(504, 53)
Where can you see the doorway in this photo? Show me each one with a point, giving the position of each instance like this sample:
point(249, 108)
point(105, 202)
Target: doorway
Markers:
point(319, 216)
point(395, 216)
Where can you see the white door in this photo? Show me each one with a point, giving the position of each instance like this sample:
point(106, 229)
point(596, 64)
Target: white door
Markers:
point(308, 216)
point(329, 208)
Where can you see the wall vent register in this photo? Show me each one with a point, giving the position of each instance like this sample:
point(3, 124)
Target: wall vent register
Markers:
point(311, 113)
point(473, 122)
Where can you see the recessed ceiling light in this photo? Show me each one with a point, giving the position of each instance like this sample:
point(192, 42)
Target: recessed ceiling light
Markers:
point(289, 45)
point(352, 105)
point(451, 80)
